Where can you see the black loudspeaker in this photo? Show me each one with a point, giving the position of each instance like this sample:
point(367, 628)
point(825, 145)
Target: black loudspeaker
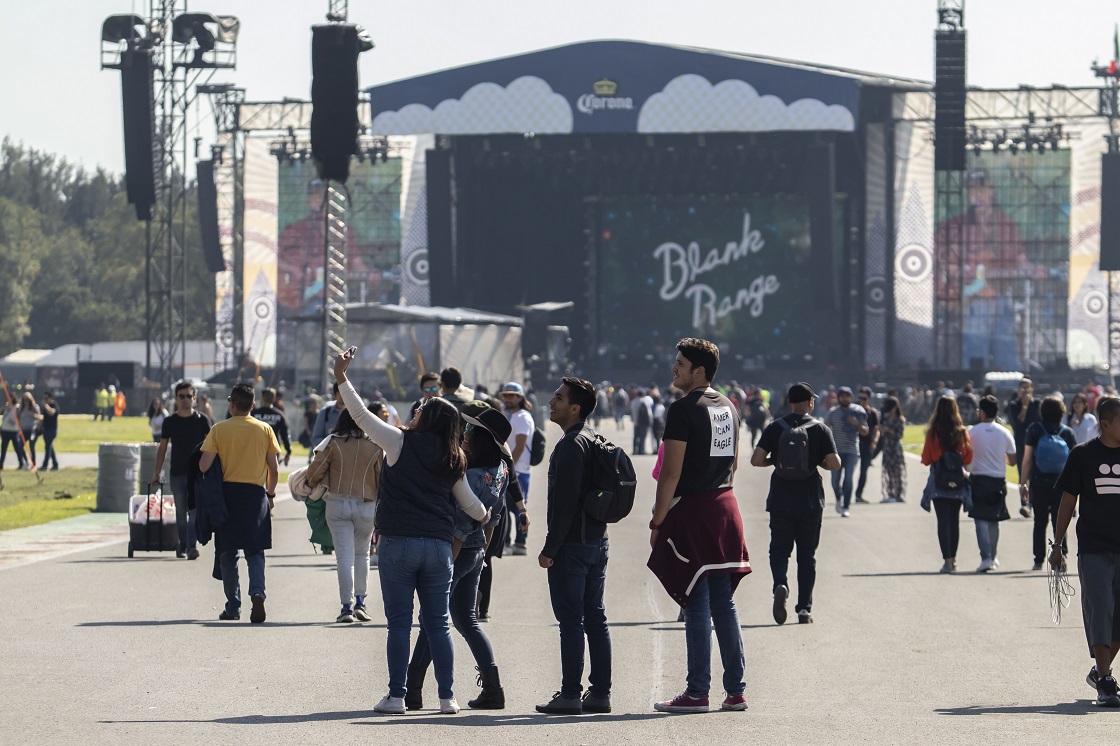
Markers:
point(442, 261)
point(1110, 212)
point(334, 98)
point(138, 99)
point(950, 95)
point(208, 217)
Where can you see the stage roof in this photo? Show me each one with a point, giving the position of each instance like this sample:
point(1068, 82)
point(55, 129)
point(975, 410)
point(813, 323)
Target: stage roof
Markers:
point(625, 87)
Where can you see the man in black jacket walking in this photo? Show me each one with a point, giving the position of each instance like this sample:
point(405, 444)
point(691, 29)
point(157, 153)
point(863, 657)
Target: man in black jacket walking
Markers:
point(575, 555)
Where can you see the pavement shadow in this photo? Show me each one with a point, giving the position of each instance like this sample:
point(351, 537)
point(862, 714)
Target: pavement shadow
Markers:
point(315, 717)
point(1078, 707)
point(506, 720)
point(930, 573)
point(216, 624)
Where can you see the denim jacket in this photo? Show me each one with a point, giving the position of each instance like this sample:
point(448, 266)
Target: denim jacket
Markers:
point(489, 485)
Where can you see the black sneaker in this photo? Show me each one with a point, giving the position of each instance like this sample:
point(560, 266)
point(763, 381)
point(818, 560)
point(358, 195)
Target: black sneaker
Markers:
point(228, 616)
point(781, 593)
point(594, 703)
point(1107, 695)
point(562, 704)
point(1092, 678)
point(257, 615)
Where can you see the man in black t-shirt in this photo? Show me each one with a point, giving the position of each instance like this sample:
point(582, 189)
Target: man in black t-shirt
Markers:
point(696, 519)
point(274, 418)
point(796, 502)
point(184, 429)
point(866, 442)
point(1022, 412)
point(1092, 473)
point(50, 431)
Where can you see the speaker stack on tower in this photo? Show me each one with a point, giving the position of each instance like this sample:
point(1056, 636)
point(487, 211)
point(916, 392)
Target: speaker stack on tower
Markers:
point(138, 98)
point(208, 217)
point(950, 95)
point(1110, 212)
point(334, 98)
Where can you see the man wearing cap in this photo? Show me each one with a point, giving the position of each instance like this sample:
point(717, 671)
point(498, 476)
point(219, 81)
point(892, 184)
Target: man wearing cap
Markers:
point(796, 500)
point(848, 423)
point(520, 444)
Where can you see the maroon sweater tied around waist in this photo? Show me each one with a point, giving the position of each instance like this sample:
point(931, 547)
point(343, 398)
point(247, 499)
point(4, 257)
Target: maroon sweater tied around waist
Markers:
point(703, 533)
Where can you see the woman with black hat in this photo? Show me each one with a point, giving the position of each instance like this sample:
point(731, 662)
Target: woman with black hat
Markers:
point(489, 468)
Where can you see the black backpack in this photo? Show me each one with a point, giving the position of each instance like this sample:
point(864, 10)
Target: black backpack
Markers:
point(791, 457)
point(644, 415)
point(948, 471)
point(536, 447)
point(613, 482)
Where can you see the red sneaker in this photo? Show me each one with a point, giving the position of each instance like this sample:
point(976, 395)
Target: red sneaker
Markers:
point(734, 702)
point(683, 703)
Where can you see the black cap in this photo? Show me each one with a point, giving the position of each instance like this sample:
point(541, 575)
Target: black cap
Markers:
point(800, 392)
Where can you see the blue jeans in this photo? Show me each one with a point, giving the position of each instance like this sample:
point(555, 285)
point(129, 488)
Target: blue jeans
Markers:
point(575, 584)
point(523, 480)
point(464, 595)
point(409, 566)
point(713, 604)
point(987, 538)
point(231, 582)
point(184, 519)
point(848, 463)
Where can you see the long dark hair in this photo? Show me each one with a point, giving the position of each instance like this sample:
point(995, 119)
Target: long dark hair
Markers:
point(482, 451)
point(346, 427)
point(440, 417)
point(946, 425)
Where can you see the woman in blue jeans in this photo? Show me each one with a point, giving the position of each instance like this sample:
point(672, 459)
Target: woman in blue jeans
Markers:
point(422, 478)
point(489, 466)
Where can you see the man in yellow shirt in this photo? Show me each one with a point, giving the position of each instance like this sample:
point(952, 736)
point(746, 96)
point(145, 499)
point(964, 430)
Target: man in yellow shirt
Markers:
point(246, 449)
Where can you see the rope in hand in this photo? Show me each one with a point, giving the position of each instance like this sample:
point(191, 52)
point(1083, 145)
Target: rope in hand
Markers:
point(1061, 590)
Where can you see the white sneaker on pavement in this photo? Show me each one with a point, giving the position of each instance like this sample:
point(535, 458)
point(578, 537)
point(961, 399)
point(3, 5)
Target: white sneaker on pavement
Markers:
point(449, 706)
point(390, 705)
point(986, 565)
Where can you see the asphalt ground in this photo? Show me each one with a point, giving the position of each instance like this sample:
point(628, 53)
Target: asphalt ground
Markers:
point(102, 649)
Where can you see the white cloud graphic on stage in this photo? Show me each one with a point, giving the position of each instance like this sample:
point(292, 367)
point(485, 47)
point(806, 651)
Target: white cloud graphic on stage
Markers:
point(528, 104)
point(690, 103)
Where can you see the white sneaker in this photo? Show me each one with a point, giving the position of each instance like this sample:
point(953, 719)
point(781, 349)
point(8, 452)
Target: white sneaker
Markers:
point(449, 706)
point(995, 563)
point(390, 705)
point(845, 513)
point(985, 566)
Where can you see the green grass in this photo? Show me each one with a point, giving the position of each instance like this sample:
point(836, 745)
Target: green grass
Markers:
point(62, 494)
point(78, 433)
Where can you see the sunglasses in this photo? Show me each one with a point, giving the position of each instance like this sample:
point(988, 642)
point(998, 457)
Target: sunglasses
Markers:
point(468, 427)
point(184, 396)
point(431, 389)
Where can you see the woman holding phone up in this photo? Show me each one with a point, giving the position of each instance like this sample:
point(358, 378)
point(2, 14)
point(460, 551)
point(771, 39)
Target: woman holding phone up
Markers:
point(423, 474)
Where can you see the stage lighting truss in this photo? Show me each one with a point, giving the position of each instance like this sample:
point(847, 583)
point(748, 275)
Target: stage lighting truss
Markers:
point(1027, 138)
point(198, 40)
point(296, 148)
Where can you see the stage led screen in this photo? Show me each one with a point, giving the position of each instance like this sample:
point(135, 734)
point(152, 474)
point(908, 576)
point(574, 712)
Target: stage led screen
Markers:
point(373, 241)
point(735, 270)
point(1002, 265)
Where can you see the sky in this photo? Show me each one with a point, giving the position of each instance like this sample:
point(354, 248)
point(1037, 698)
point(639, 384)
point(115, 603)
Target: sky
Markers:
point(54, 97)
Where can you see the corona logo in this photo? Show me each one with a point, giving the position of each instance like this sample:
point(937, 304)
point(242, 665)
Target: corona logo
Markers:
point(604, 98)
point(606, 87)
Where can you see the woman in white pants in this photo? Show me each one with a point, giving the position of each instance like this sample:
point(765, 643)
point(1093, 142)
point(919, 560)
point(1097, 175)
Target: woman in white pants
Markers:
point(350, 465)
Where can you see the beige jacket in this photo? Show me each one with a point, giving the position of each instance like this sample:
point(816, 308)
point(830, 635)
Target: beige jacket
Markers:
point(349, 466)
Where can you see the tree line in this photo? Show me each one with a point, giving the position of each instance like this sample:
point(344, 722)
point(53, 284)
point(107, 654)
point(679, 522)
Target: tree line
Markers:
point(73, 256)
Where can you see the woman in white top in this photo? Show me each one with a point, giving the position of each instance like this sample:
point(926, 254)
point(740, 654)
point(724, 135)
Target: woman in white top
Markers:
point(1081, 420)
point(156, 415)
point(9, 432)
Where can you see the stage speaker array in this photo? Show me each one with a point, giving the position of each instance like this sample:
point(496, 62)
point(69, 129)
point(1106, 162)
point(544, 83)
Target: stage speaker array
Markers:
point(208, 217)
point(1110, 212)
point(334, 98)
point(950, 95)
point(138, 99)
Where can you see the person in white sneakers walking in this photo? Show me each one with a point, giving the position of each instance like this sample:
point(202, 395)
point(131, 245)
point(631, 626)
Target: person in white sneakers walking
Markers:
point(993, 450)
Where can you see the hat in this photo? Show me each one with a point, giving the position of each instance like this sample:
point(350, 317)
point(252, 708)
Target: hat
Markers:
point(493, 422)
point(844, 390)
point(800, 392)
point(473, 408)
point(512, 388)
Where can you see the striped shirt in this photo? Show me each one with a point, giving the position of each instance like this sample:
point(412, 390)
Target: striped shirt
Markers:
point(844, 433)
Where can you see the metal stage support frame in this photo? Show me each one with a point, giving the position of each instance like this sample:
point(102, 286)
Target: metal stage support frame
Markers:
point(1110, 109)
point(185, 55)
